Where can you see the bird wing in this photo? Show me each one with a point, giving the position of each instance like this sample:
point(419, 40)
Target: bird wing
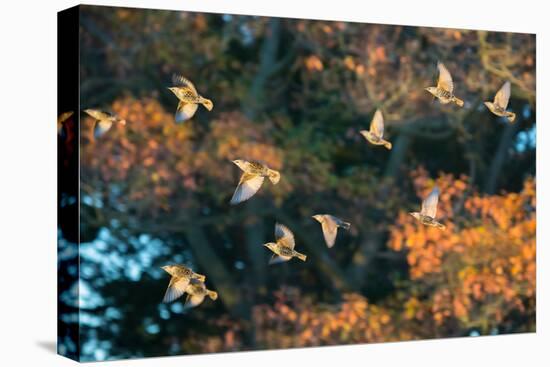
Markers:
point(429, 205)
point(176, 288)
point(377, 124)
point(64, 116)
point(185, 111)
point(284, 236)
point(180, 81)
point(98, 115)
point(193, 300)
point(248, 186)
point(101, 127)
point(445, 80)
point(503, 96)
point(277, 259)
point(330, 229)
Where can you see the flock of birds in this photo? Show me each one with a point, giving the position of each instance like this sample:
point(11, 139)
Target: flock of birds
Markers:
point(183, 279)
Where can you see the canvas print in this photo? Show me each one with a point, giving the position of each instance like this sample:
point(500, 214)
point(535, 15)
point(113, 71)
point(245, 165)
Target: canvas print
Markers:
point(237, 182)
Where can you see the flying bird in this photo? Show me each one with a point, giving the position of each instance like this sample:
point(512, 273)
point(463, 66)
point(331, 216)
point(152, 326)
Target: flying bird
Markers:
point(252, 179)
point(444, 89)
point(376, 132)
point(499, 104)
point(196, 292)
point(429, 209)
point(104, 121)
point(61, 119)
point(189, 98)
point(181, 276)
point(329, 225)
point(283, 248)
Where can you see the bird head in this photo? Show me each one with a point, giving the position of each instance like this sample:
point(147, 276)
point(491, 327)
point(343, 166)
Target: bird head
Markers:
point(207, 104)
point(270, 245)
point(366, 134)
point(240, 163)
point(432, 90)
point(318, 217)
point(168, 268)
point(176, 91)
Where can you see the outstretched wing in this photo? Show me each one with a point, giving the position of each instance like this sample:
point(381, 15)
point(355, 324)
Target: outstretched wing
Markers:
point(185, 111)
point(330, 229)
point(180, 81)
point(445, 80)
point(377, 124)
point(101, 127)
point(248, 186)
point(64, 116)
point(284, 236)
point(503, 96)
point(276, 259)
point(429, 205)
point(98, 115)
point(176, 288)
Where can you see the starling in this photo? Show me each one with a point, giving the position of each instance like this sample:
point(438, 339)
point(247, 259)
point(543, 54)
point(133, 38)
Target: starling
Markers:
point(189, 98)
point(444, 89)
point(61, 119)
point(499, 104)
point(196, 291)
point(252, 179)
point(181, 276)
point(283, 249)
point(330, 224)
point(376, 132)
point(104, 121)
point(428, 211)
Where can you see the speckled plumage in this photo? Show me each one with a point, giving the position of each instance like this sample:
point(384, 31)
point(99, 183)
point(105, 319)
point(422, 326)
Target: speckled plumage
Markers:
point(376, 132)
point(428, 211)
point(181, 276)
point(283, 248)
point(445, 87)
point(500, 103)
point(252, 179)
point(330, 225)
point(104, 121)
point(196, 292)
point(189, 98)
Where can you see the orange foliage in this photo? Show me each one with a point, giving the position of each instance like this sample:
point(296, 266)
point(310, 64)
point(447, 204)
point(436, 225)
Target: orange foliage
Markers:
point(297, 321)
point(483, 265)
point(161, 162)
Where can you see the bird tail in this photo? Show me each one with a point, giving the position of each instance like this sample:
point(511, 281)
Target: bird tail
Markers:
point(274, 176)
point(345, 225)
point(458, 102)
point(212, 294)
point(511, 116)
point(207, 103)
point(300, 256)
point(388, 145)
point(200, 277)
